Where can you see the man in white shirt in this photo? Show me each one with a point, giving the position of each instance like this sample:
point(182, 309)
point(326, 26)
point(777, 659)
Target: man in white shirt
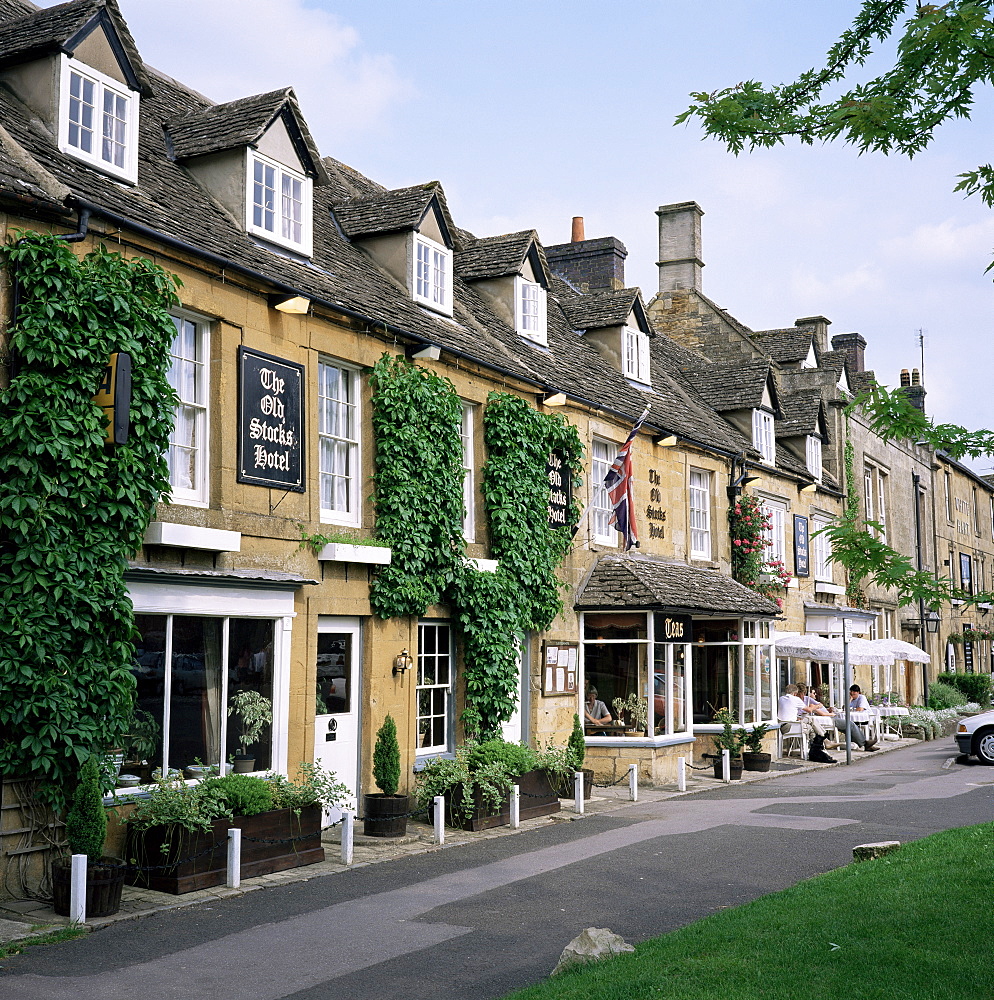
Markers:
point(791, 708)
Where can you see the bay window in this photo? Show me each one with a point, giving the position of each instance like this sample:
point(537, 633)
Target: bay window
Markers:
point(732, 668)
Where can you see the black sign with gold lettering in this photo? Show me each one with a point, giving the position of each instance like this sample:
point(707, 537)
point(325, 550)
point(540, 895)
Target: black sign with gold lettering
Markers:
point(270, 421)
point(674, 628)
point(802, 543)
point(560, 490)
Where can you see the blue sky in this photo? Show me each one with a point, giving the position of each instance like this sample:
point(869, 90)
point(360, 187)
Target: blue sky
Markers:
point(530, 113)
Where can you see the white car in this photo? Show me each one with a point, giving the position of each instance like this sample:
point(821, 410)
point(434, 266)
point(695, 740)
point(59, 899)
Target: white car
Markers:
point(975, 736)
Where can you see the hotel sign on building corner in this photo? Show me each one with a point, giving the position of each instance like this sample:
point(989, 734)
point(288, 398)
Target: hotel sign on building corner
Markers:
point(270, 421)
point(560, 490)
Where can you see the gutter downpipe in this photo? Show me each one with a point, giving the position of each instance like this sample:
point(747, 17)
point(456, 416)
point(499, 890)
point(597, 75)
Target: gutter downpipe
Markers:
point(224, 262)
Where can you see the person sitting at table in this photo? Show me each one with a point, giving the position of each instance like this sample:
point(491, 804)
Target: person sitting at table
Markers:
point(595, 712)
point(857, 703)
point(791, 709)
point(811, 703)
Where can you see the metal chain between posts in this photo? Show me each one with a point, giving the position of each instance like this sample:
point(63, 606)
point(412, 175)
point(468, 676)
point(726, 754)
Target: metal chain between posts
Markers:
point(706, 767)
point(611, 784)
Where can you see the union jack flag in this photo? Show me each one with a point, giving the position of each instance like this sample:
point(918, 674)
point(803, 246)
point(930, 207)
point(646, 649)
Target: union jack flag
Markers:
point(621, 490)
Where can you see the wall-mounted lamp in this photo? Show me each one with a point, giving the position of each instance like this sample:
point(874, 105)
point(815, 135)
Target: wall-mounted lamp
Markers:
point(984, 609)
point(669, 441)
point(932, 620)
point(297, 304)
point(736, 488)
point(424, 352)
point(552, 399)
point(810, 488)
point(402, 663)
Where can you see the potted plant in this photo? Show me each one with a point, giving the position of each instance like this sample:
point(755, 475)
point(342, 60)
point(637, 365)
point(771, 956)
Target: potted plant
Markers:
point(754, 758)
point(633, 711)
point(385, 813)
point(86, 829)
point(576, 746)
point(254, 712)
point(728, 739)
point(178, 834)
point(140, 741)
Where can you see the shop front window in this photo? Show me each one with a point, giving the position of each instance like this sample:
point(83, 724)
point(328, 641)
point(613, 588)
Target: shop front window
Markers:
point(732, 668)
point(209, 659)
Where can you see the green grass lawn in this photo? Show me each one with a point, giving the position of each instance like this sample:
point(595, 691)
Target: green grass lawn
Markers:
point(910, 926)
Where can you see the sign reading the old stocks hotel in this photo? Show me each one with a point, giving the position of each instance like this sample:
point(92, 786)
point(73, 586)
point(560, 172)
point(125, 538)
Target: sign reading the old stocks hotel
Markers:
point(560, 490)
point(270, 421)
point(654, 513)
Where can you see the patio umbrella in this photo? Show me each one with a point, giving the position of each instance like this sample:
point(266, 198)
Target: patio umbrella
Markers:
point(816, 647)
point(903, 650)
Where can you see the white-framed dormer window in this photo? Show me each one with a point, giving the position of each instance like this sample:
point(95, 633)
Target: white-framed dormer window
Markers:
point(279, 203)
point(812, 450)
point(821, 550)
point(338, 443)
point(432, 284)
point(602, 458)
point(763, 438)
point(700, 514)
point(98, 120)
point(635, 355)
point(529, 310)
point(468, 475)
point(188, 375)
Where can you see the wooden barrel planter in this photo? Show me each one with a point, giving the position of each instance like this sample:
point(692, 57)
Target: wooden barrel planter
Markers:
point(103, 887)
point(198, 860)
point(734, 767)
point(385, 815)
point(756, 761)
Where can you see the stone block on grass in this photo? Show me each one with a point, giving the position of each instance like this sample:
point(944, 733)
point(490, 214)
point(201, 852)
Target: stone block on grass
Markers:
point(592, 945)
point(867, 852)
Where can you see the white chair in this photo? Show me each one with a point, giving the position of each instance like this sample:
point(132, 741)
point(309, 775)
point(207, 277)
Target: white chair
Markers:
point(796, 734)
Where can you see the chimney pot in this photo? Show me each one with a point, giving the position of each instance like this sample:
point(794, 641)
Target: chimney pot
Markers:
point(915, 377)
point(905, 377)
point(577, 234)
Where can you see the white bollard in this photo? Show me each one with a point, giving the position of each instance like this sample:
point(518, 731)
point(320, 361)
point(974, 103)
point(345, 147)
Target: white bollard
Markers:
point(681, 773)
point(77, 889)
point(439, 801)
point(726, 765)
point(348, 831)
point(515, 806)
point(633, 782)
point(234, 858)
point(578, 792)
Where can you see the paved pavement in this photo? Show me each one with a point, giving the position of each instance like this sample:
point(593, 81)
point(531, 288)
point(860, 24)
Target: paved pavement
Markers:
point(489, 913)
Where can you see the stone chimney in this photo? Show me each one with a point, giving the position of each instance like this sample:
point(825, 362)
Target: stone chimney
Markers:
point(680, 263)
point(818, 325)
point(589, 265)
point(854, 346)
point(912, 387)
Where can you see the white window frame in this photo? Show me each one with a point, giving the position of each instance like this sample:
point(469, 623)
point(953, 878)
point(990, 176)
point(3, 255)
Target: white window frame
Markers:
point(196, 406)
point(775, 547)
point(282, 173)
point(351, 444)
point(812, 451)
point(466, 430)
point(764, 436)
point(602, 456)
point(821, 550)
point(700, 514)
point(635, 355)
point(431, 274)
point(875, 498)
point(444, 690)
point(102, 86)
point(530, 310)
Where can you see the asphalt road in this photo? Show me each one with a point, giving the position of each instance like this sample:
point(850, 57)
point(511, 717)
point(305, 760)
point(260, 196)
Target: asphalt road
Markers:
point(481, 920)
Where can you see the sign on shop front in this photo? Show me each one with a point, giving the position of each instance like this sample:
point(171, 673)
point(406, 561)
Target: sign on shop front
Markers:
point(560, 490)
point(270, 421)
point(674, 628)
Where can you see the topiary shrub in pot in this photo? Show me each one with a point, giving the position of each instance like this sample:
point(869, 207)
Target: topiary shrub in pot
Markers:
point(385, 812)
point(86, 829)
point(730, 740)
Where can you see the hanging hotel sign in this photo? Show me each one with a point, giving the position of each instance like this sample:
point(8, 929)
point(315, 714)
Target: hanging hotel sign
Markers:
point(270, 421)
point(801, 546)
point(560, 490)
point(674, 628)
point(114, 398)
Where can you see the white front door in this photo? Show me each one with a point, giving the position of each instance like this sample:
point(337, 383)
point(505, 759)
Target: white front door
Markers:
point(515, 730)
point(336, 718)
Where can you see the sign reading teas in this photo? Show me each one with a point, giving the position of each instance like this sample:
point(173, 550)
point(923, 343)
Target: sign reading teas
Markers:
point(270, 421)
point(674, 628)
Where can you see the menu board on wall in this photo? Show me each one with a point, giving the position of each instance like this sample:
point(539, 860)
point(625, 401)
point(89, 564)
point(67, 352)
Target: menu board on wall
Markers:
point(270, 421)
point(560, 662)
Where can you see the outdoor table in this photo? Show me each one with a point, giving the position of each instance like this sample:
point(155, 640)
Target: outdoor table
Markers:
point(868, 719)
point(891, 712)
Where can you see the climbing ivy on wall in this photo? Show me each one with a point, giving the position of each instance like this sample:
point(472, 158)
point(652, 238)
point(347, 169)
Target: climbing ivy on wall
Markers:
point(72, 509)
point(419, 504)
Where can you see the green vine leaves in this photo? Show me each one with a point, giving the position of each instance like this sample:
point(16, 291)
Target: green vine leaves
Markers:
point(72, 510)
point(419, 504)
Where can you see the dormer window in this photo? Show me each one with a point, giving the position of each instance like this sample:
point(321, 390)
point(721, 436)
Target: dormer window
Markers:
point(763, 439)
point(635, 355)
point(280, 203)
point(813, 455)
point(432, 274)
point(99, 120)
point(529, 310)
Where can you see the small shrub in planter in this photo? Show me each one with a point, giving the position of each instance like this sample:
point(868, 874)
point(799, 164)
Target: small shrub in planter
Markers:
point(754, 758)
point(385, 814)
point(254, 712)
point(86, 829)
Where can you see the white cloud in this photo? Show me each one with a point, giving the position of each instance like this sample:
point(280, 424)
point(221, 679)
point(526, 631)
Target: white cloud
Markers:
point(235, 48)
point(806, 284)
point(943, 243)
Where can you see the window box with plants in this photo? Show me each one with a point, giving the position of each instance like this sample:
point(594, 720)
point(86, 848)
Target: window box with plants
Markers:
point(177, 837)
point(348, 546)
point(477, 782)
